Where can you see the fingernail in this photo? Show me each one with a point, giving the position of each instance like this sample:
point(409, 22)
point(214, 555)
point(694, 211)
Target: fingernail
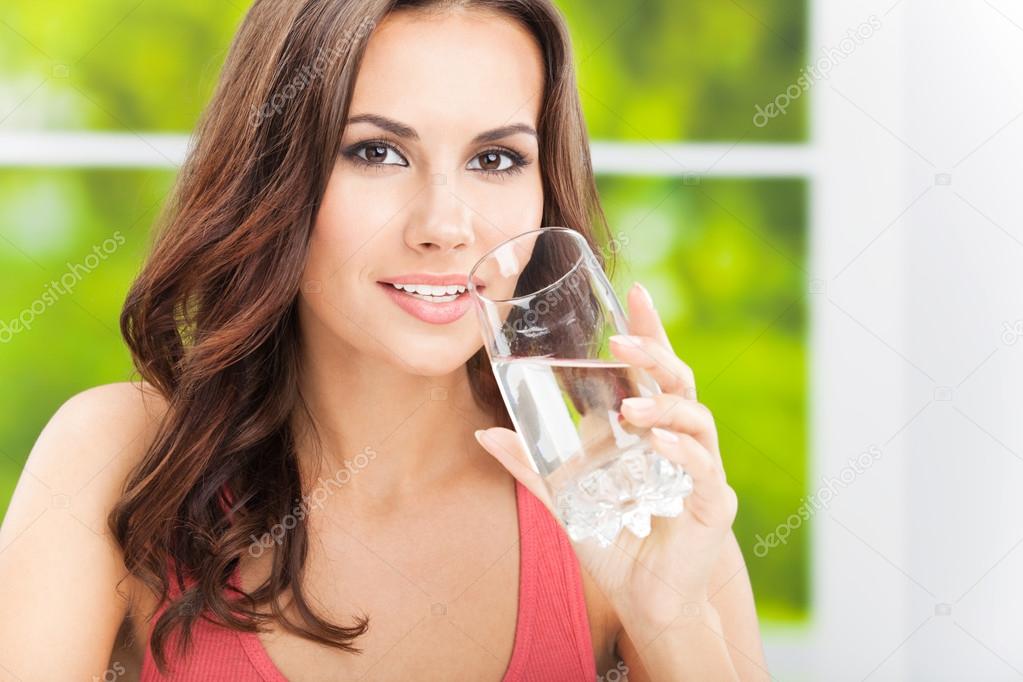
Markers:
point(666, 436)
point(638, 404)
point(479, 435)
point(626, 340)
point(646, 294)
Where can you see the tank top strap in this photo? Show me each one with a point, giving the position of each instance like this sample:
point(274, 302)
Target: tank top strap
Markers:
point(553, 621)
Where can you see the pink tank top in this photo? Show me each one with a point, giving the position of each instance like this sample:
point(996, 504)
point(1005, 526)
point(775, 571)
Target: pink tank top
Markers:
point(552, 632)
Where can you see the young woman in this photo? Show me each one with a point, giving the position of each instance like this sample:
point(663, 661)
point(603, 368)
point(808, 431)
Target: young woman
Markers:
point(294, 491)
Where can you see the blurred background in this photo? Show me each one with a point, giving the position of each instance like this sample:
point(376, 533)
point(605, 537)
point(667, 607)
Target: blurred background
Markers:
point(821, 196)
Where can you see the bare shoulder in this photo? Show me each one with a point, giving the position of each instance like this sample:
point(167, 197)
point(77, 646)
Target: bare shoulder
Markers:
point(61, 572)
point(85, 452)
point(116, 413)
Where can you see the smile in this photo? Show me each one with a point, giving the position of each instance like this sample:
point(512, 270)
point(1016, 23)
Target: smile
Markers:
point(434, 304)
point(432, 293)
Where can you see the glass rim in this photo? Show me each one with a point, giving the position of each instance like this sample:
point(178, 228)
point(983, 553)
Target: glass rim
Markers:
point(485, 256)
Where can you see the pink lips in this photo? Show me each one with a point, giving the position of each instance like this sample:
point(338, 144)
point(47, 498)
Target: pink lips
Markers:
point(433, 313)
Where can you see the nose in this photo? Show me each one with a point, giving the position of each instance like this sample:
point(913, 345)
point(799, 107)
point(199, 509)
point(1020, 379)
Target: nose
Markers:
point(440, 221)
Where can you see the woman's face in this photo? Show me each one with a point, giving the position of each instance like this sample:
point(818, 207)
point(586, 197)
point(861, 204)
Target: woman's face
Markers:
point(439, 162)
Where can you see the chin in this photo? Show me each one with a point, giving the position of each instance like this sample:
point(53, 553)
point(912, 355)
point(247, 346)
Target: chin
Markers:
point(433, 364)
point(435, 351)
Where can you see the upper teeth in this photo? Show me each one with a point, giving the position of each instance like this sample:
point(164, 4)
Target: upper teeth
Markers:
point(430, 289)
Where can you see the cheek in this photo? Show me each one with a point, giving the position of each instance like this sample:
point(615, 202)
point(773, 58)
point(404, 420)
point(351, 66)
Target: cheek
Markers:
point(516, 207)
point(350, 214)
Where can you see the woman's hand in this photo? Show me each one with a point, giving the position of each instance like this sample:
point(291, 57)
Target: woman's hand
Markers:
point(651, 581)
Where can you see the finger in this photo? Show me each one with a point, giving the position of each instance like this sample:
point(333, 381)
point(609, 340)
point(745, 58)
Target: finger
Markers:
point(675, 413)
point(709, 485)
point(685, 450)
point(668, 370)
point(506, 447)
point(643, 317)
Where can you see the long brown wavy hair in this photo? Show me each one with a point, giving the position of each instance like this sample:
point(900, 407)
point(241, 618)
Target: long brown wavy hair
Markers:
point(211, 320)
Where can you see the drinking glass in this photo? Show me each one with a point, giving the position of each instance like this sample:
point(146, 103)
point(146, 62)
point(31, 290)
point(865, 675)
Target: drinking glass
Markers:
point(546, 310)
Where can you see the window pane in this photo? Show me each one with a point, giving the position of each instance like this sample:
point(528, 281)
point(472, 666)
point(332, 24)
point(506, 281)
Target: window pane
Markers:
point(664, 69)
point(725, 263)
point(688, 69)
point(70, 243)
point(111, 64)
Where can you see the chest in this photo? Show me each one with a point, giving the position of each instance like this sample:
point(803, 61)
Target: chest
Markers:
point(458, 622)
point(441, 592)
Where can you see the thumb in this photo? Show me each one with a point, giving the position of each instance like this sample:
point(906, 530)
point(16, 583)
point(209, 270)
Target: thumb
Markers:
point(506, 447)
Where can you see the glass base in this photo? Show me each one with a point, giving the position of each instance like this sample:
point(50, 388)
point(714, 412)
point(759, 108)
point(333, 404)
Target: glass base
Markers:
point(623, 493)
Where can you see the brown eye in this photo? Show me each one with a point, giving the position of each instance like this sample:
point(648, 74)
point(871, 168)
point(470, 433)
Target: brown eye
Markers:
point(494, 162)
point(490, 161)
point(377, 153)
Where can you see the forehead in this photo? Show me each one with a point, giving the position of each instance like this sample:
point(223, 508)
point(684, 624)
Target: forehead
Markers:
point(477, 68)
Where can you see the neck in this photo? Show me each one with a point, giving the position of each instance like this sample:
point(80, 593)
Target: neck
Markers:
point(383, 433)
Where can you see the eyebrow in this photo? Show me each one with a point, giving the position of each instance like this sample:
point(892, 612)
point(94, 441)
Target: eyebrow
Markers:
point(402, 130)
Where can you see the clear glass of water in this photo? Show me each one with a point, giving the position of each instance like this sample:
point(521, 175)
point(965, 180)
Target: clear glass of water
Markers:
point(546, 310)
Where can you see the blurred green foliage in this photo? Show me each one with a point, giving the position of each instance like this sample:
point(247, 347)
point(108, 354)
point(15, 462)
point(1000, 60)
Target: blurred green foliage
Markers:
point(649, 70)
point(687, 69)
point(723, 262)
point(723, 258)
point(60, 331)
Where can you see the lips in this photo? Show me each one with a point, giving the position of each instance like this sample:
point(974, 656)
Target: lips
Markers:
point(444, 310)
